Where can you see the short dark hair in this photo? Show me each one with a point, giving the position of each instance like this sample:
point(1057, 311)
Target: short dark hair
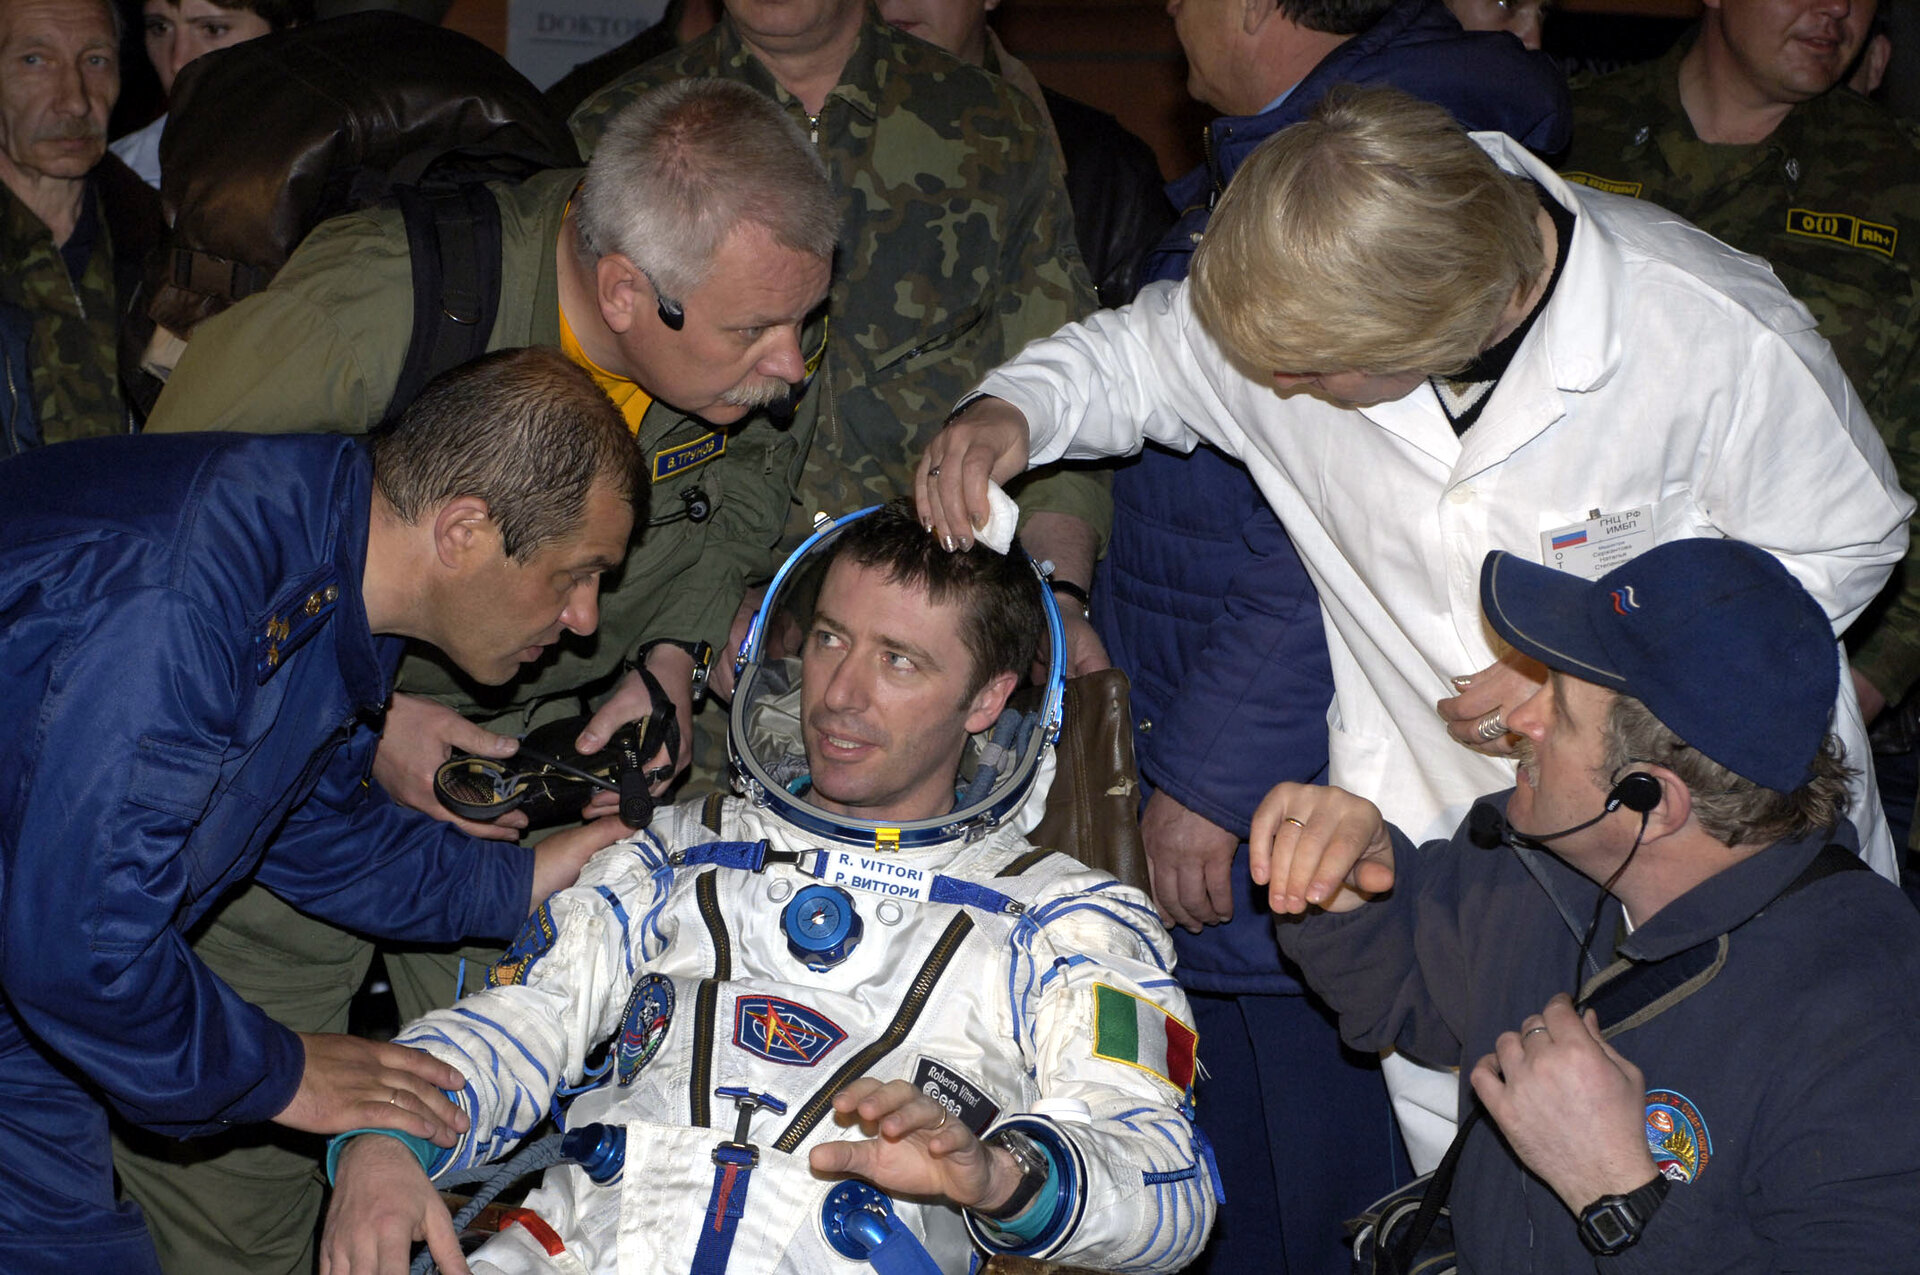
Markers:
point(527, 431)
point(1336, 17)
point(1732, 810)
point(1000, 592)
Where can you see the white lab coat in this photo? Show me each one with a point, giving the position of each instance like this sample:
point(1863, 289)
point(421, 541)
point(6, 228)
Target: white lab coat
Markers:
point(1667, 370)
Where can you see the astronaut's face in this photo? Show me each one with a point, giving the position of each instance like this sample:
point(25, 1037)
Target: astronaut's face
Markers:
point(884, 706)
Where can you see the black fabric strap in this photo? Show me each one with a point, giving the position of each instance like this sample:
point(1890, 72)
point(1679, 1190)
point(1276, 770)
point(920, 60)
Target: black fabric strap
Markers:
point(454, 242)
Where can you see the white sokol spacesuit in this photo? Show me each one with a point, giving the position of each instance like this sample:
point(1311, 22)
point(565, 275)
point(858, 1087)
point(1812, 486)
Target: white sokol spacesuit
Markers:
point(754, 948)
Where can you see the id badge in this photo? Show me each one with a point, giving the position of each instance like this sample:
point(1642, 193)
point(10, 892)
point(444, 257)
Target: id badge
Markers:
point(1592, 548)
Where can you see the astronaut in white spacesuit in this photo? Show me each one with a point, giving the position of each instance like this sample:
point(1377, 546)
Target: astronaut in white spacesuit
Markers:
point(856, 1020)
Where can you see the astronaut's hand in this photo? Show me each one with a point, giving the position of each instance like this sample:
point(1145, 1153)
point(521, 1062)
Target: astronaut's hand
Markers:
point(418, 736)
point(919, 1148)
point(382, 1203)
point(1190, 863)
point(350, 1083)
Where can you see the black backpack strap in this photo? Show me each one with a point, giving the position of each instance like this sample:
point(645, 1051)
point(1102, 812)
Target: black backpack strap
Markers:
point(1636, 993)
point(454, 240)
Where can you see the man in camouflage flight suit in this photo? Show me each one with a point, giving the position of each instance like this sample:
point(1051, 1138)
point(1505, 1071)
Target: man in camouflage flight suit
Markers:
point(956, 246)
point(1745, 129)
point(75, 224)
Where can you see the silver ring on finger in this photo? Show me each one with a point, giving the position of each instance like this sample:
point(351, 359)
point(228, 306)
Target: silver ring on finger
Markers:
point(1490, 727)
point(1537, 1027)
point(943, 1120)
point(1290, 819)
point(934, 472)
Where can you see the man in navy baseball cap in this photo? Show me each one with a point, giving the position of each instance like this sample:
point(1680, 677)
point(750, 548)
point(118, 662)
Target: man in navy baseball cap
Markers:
point(1677, 827)
point(1714, 636)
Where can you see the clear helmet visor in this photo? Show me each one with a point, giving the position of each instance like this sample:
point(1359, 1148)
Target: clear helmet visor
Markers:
point(1004, 772)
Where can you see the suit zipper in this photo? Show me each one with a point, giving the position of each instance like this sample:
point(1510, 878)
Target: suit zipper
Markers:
point(904, 1018)
point(706, 1002)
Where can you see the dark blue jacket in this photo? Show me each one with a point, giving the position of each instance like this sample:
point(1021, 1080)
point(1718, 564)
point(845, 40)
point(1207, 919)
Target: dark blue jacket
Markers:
point(1782, 1090)
point(1201, 598)
point(188, 688)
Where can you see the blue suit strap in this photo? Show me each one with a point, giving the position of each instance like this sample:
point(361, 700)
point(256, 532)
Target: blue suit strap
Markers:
point(899, 1253)
point(732, 1174)
point(746, 856)
point(972, 895)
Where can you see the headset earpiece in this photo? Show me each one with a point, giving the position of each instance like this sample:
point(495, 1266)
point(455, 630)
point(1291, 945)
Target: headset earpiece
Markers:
point(1638, 791)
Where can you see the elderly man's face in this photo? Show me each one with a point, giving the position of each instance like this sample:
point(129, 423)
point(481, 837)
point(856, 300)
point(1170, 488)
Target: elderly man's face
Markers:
point(740, 345)
point(59, 78)
point(1792, 50)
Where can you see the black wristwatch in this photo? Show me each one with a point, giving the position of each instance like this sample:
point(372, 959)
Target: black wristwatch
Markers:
point(1613, 1223)
point(1034, 1168)
point(702, 653)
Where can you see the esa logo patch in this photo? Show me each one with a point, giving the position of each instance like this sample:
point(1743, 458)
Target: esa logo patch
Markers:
point(784, 1031)
point(1677, 1135)
point(644, 1026)
point(965, 1101)
point(533, 942)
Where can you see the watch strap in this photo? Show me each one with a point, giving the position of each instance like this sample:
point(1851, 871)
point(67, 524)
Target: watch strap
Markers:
point(1613, 1223)
point(1035, 1168)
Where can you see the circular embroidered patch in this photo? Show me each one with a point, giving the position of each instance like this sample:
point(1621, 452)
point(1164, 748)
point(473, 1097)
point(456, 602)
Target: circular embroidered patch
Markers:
point(644, 1026)
point(1677, 1135)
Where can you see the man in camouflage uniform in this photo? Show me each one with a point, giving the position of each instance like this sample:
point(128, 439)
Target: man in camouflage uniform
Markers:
point(956, 244)
point(75, 224)
point(1742, 130)
point(320, 350)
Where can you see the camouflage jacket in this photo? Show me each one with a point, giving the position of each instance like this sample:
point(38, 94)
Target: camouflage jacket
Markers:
point(320, 350)
point(1832, 201)
point(66, 383)
point(956, 249)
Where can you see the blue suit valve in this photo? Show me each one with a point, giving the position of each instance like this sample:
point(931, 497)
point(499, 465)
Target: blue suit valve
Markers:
point(600, 1149)
point(822, 926)
point(866, 1228)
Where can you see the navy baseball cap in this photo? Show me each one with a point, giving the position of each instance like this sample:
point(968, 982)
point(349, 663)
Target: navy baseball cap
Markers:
point(1713, 636)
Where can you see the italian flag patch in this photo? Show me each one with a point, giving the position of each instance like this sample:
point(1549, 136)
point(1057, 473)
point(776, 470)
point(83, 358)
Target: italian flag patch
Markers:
point(1131, 1030)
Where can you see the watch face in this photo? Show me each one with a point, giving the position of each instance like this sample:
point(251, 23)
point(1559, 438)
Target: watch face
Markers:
point(1608, 1226)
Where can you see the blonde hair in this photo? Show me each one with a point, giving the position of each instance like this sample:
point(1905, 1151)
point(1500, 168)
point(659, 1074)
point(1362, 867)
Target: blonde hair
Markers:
point(1373, 237)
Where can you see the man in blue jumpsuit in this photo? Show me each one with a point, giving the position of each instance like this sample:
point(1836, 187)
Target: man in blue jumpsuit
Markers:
point(1203, 602)
point(198, 636)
